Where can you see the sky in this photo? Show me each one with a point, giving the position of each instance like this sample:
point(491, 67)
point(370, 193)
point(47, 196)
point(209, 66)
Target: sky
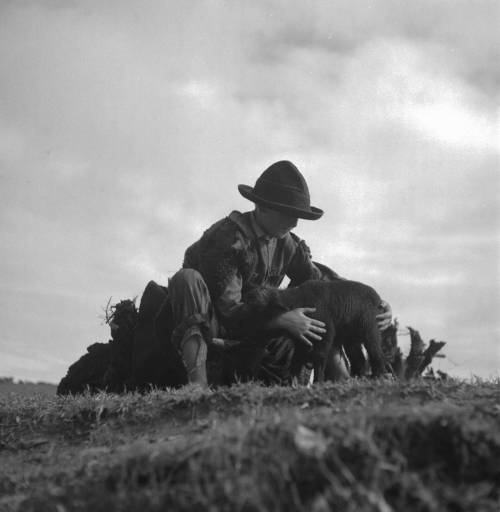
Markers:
point(125, 128)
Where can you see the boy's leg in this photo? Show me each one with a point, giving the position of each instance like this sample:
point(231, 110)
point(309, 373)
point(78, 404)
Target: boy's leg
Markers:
point(336, 369)
point(194, 355)
point(276, 366)
point(268, 360)
point(194, 321)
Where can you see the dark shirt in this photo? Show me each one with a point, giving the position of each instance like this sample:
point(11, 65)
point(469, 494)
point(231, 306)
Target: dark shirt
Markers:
point(236, 254)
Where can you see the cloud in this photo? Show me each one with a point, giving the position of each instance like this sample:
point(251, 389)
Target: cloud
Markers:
point(125, 129)
point(466, 33)
point(204, 92)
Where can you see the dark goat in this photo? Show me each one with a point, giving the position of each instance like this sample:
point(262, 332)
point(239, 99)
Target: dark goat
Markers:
point(348, 309)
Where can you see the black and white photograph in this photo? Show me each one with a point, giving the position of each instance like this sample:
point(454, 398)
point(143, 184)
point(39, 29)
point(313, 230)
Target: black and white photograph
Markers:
point(250, 255)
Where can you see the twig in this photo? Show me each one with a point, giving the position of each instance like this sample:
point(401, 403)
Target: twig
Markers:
point(433, 348)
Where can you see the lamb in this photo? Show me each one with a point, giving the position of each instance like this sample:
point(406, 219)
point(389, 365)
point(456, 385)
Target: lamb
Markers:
point(348, 308)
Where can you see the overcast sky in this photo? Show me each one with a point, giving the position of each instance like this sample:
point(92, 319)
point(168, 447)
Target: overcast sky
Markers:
point(125, 128)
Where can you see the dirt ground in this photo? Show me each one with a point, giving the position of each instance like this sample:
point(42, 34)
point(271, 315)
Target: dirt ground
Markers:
point(360, 445)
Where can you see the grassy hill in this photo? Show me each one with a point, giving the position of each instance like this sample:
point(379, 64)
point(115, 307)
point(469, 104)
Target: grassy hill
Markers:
point(357, 446)
point(8, 385)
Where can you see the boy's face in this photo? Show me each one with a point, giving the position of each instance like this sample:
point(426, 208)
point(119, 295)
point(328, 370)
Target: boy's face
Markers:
point(276, 223)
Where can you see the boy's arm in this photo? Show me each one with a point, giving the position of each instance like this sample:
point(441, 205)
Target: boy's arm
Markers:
point(221, 261)
point(238, 317)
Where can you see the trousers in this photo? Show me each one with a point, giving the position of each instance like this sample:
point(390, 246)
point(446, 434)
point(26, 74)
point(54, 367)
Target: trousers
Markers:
point(270, 360)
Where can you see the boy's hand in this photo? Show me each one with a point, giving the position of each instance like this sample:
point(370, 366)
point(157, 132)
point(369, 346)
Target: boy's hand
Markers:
point(384, 319)
point(301, 326)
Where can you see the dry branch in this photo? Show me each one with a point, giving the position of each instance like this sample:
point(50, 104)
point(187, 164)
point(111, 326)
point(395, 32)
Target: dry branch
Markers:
point(416, 355)
point(429, 353)
point(420, 356)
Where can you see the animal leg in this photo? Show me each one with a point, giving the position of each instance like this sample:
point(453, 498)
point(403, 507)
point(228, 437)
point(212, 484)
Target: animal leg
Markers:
point(335, 368)
point(357, 360)
point(373, 347)
point(319, 370)
point(322, 351)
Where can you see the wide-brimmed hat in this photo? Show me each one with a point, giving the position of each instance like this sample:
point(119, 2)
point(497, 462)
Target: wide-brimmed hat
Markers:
point(282, 187)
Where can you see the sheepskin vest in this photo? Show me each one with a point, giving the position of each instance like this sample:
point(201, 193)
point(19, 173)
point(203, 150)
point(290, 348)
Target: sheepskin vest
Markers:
point(229, 247)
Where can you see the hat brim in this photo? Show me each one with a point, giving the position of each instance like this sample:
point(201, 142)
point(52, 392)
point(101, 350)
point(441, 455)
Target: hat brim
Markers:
point(312, 214)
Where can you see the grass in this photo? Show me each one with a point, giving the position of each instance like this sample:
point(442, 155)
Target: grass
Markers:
point(7, 385)
point(361, 445)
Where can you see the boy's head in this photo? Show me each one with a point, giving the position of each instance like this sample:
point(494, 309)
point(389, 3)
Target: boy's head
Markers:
point(276, 223)
point(282, 188)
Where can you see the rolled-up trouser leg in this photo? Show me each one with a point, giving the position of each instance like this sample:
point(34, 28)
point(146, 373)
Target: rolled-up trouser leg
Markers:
point(194, 355)
point(194, 321)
